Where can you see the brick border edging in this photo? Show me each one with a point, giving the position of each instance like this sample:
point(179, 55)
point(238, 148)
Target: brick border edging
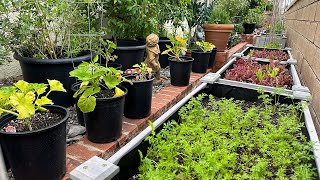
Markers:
point(162, 101)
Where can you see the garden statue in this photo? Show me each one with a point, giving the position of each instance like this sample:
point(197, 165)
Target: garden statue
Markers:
point(152, 59)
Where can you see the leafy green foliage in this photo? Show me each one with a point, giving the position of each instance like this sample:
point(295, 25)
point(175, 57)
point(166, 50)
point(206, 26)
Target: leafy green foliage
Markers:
point(205, 46)
point(40, 29)
point(95, 78)
point(24, 99)
point(233, 7)
point(226, 139)
point(255, 16)
point(144, 71)
point(178, 44)
point(273, 45)
point(219, 16)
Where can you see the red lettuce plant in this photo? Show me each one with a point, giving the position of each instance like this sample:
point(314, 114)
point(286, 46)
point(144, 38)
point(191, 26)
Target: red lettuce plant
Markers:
point(247, 70)
point(270, 54)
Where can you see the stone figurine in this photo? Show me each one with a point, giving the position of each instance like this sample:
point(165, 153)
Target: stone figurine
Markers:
point(153, 53)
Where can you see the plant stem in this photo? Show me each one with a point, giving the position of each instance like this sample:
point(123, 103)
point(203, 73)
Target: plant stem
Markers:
point(10, 112)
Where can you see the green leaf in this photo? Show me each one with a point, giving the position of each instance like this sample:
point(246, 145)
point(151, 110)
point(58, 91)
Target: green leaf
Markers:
point(6, 92)
point(87, 104)
point(43, 101)
point(111, 81)
point(39, 88)
point(23, 104)
point(95, 59)
point(56, 85)
point(22, 85)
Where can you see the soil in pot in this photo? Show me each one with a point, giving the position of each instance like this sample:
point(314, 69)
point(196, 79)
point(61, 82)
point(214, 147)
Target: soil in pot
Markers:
point(38, 154)
point(180, 71)
point(163, 59)
point(40, 70)
point(201, 61)
point(129, 52)
point(104, 124)
point(249, 27)
point(138, 99)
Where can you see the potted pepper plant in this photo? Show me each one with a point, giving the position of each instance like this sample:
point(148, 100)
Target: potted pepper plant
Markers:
point(101, 100)
point(138, 100)
point(39, 34)
point(180, 66)
point(33, 130)
point(201, 56)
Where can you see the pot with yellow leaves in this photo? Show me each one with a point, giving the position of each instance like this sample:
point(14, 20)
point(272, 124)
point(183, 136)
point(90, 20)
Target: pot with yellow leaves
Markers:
point(101, 99)
point(33, 130)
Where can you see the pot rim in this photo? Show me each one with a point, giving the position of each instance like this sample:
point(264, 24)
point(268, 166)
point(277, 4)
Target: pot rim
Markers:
point(199, 51)
point(38, 130)
point(29, 60)
point(132, 47)
point(143, 81)
point(173, 60)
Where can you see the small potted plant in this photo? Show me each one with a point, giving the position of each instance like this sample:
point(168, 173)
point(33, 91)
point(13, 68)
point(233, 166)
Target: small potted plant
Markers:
point(218, 28)
point(180, 66)
point(33, 130)
point(138, 100)
point(253, 19)
point(101, 100)
point(201, 56)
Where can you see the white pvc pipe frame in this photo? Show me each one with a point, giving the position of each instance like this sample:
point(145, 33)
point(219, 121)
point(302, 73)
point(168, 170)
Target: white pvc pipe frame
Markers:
point(146, 132)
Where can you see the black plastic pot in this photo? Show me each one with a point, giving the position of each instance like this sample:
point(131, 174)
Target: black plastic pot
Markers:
point(104, 124)
point(39, 154)
point(138, 100)
point(180, 71)
point(129, 52)
point(163, 59)
point(75, 87)
point(248, 27)
point(115, 65)
point(201, 61)
point(212, 57)
point(40, 70)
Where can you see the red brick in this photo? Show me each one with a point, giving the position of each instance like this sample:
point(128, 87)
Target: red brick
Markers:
point(103, 147)
point(129, 129)
point(66, 177)
point(82, 152)
point(170, 93)
point(71, 164)
point(122, 140)
point(139, 122)
point(164, 98)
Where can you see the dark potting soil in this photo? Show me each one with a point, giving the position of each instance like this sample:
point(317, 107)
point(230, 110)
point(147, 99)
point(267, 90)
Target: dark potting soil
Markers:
point(105, 93)
point(36, 121)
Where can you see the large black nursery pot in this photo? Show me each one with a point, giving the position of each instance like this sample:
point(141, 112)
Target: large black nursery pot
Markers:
point(212, 57)
point(39, 154)
point(40, 70)
point(180, 71)
point(163, 59)
point(104, 124)
point(201, 61)
point(129, 52)
point(75, 87)
point(248, 27)
point(138, 100)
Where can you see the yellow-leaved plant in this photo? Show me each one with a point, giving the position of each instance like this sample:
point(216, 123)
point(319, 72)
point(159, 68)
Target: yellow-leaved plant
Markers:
point(24, 99)
point(178, 44)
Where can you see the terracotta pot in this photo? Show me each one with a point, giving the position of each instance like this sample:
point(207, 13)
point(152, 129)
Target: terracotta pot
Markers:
point(218, 34)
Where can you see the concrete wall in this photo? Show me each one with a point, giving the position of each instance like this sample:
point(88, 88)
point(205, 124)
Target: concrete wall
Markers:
point(302, 23)
point(10, 69)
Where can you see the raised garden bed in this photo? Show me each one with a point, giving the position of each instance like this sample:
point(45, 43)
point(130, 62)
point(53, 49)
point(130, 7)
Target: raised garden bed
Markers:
point(266, 39)
point(270, 135)
point(267, 54)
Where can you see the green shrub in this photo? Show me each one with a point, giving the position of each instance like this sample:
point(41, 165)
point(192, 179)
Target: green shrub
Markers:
point(219, 16)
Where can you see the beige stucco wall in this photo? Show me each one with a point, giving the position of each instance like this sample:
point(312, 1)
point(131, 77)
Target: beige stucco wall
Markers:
point(10, 69)
point(302, 22)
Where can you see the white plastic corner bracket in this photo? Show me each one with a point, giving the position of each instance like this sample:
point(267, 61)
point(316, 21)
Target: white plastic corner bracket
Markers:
point(210, 78)
point(95, 169)
point(292, 61)
point(238, 55)
point(249, 45)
